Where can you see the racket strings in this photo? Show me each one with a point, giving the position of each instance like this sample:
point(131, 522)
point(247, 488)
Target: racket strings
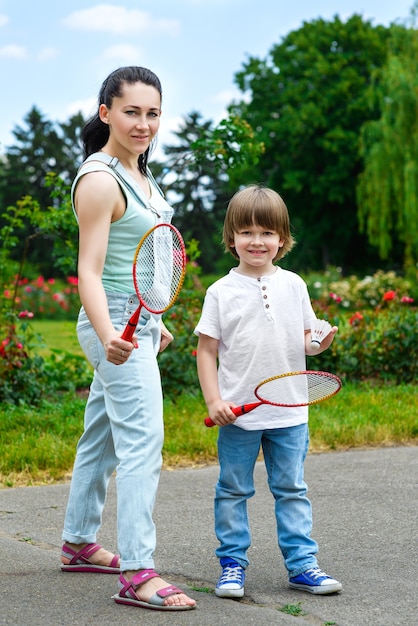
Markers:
point(298, 388)
point(159, 268)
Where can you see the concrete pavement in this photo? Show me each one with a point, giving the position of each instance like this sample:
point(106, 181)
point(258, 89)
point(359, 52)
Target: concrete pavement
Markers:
point(365, 520)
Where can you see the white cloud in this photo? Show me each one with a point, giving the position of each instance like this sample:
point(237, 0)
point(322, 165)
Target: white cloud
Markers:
point(13, 52)
point(4, 20)
point(123, 54)
point(119, 21)
point(87, 107)
point(47, 53)
point(227, 96)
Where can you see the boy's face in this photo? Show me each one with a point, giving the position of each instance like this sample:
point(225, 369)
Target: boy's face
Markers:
point(257, 248)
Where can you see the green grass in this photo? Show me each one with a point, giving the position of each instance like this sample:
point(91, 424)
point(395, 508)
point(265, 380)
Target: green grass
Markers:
point(57, 335)
point(37, 445)
point(293, 609)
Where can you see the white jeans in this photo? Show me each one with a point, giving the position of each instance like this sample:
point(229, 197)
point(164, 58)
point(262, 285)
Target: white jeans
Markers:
point(123, 430)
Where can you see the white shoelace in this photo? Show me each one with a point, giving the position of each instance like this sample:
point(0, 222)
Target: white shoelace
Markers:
point(317, 573)
point(231, 573)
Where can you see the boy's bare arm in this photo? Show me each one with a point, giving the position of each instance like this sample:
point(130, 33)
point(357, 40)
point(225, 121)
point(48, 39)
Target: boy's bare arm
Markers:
point(218, 409)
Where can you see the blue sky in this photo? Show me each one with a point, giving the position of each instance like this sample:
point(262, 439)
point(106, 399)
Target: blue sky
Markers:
point(55, 55)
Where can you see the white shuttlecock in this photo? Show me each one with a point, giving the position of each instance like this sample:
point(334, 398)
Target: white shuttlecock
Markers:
point(319, 330)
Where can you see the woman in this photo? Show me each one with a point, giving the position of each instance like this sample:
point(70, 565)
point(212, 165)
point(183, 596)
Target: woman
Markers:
point(116, 201)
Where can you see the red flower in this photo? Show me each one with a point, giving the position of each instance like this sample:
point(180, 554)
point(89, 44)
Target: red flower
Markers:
point(194, 352)
point(389, 295)
point(3, 345)
point(354, 319)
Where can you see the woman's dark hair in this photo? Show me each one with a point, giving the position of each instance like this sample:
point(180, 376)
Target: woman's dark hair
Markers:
point(95, 133)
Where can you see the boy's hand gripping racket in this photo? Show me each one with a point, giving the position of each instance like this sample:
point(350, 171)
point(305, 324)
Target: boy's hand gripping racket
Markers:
point(291, 390)
point(159, 269)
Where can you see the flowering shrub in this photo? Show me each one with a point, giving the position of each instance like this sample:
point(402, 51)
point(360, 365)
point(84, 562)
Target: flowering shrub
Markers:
point(377, 340)
point(25, 376)
point(45, 299)
point(336, 293)
point(377, 337)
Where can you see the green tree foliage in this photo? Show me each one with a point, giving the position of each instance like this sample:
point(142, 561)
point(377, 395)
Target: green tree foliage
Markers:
point(388, 186)
point(307, 102)
point(41, 147)
point(195, 177)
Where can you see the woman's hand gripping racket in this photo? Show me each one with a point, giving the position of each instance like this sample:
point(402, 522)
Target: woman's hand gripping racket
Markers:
point(159, 269)
point(291, 390)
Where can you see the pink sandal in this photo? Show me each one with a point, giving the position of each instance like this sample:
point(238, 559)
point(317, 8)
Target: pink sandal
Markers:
point(79, 561)
point(128, 595)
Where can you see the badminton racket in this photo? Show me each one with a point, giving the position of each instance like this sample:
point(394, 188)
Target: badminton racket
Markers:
point(159, 269)
point(292, 389)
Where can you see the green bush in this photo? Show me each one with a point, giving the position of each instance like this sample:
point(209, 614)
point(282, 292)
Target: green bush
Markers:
point(178, 362)
point(380, 347)
point(26, 377)
point(377, 338)
point(376, 316)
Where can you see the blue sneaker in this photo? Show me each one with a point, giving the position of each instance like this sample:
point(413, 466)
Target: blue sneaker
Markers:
point(315, 581)
point(231, 581)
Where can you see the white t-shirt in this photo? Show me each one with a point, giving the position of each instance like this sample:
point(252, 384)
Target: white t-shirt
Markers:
point(260, 324)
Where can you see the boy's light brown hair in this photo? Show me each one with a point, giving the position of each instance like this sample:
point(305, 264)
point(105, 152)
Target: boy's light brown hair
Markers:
point(263, 207)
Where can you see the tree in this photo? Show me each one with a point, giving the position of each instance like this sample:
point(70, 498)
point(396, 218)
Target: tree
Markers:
point(388, 187)
point(307, 102)
point(197, 181)
point(41, 147)
point(31, 158)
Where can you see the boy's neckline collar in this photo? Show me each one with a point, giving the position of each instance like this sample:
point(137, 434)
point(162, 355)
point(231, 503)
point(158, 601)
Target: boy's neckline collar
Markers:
point(260, 277)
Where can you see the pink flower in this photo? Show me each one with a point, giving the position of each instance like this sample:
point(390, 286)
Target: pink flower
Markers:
point(336, 298)
point(407, 300)
point(27, 314)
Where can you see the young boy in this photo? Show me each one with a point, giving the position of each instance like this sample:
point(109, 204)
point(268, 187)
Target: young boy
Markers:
point(255, 323)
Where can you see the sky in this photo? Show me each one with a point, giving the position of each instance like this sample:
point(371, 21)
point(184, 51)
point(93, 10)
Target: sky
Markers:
point(55, 55)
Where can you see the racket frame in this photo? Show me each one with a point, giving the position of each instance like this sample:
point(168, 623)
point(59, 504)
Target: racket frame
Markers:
point(246, 408)
point(133, 321)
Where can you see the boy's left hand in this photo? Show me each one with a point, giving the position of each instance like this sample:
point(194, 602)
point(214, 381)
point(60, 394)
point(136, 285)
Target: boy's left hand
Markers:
point(324, 345)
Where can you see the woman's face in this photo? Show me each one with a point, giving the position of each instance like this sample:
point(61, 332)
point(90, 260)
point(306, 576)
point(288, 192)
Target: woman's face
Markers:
point(134, 118)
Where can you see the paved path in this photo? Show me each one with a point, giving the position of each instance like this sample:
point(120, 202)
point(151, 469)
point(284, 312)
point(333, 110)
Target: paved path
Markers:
point(365, 521)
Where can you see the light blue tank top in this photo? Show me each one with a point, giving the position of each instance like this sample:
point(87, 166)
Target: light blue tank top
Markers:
point(141, 214)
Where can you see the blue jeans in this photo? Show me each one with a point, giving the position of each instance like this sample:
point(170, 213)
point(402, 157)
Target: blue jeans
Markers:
point(123, 430)
point(284, 451)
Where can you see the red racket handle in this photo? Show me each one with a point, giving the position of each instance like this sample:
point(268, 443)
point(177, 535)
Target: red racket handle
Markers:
point(238, 410)
point(131, 325)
